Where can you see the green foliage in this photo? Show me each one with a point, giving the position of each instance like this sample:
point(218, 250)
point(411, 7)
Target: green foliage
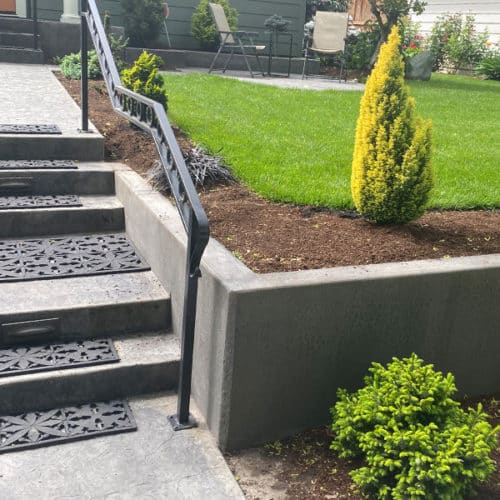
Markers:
point(489, 67)
point(455, 43)
point(143, 77)
point(203, 25)
point(361, 46)
point(116, 43)
point(391, 169)
point(277, 23)
point(416, 441)
point(71, 66)
point(142, 20)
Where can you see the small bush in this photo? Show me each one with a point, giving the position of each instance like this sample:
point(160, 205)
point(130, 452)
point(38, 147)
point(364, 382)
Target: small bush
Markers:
point(361, 46)
point(71, 66)
point(489, 67)
point(391, 169)
point(455, 43)
point(143, 77)
point(203, 26)
point(142, 20)
point(416, 441)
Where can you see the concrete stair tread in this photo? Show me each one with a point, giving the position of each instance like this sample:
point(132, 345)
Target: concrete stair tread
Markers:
point(29, 297)
point(97, 214)
point(88, 202)
point(82, 166)
point(148, 363)
point(93, 178)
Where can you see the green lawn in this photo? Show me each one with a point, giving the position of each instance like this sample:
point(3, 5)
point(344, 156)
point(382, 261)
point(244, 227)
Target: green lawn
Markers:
point(296, 145)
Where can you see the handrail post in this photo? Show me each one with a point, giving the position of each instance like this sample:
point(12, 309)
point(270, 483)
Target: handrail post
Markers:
point(182, 419)
point(84, 89)
point(35, 25)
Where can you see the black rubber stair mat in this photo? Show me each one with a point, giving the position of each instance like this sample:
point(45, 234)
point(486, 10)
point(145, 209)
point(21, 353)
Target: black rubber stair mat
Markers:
point(37, 164)
point(29, 128)
point(43, 428)
point(84, 255)
point(39, 201)
point(20, 360)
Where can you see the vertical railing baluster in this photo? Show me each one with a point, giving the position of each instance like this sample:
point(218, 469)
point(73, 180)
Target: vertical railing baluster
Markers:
point(84, 90)
point(35, 24)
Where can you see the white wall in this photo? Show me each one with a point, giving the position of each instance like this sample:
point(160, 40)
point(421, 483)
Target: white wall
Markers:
point(486, 13)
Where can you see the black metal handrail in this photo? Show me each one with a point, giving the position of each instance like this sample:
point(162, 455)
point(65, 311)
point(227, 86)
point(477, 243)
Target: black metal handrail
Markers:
point(32, 13)
point(151, 117)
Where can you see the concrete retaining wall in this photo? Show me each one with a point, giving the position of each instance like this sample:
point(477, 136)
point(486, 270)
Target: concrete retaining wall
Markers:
point(271, 350)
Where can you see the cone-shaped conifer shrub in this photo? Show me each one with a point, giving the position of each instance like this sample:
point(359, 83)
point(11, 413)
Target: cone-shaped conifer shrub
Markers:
point(391, 172)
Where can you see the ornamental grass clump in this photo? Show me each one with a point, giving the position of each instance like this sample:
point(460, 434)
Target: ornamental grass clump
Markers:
point(391, 171)
point(416, 441)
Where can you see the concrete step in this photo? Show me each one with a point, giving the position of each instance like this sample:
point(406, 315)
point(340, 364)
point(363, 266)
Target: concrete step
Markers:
point(15, 24)
point(72, 145)
point(20, 55)
point(98, 214)
point(82, 307)
point(90, 178)
point(8, 39)
point(148, 363)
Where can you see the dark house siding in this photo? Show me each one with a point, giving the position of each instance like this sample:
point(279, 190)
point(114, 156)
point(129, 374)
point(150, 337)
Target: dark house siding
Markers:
point(252, 14)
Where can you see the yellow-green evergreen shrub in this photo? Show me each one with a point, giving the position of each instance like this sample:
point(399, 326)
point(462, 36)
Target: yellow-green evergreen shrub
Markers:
point(391, 171)
point(144, 78)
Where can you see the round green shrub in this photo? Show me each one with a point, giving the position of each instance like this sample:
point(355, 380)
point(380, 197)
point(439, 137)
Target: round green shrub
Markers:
point(71, 66)
point(143, 77)
point(416, 440)
point(203, 26)
point(142, 20)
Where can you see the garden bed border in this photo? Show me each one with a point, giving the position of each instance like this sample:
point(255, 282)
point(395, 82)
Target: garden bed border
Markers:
point(272, 349)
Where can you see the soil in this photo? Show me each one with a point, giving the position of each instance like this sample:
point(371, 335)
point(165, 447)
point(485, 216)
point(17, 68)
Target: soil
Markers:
point(271, 237)
point(304, 467)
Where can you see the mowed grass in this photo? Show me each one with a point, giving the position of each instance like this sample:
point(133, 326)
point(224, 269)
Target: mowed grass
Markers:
point(296, 145)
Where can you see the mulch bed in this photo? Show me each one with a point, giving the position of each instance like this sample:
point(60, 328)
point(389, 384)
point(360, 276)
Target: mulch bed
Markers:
point(272, 237)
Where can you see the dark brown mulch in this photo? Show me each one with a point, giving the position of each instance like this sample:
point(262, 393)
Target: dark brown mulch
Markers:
point(272, 237)
point(277, 237)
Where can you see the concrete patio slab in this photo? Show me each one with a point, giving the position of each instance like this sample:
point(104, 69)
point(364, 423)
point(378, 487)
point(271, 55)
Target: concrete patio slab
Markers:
point(294, 82)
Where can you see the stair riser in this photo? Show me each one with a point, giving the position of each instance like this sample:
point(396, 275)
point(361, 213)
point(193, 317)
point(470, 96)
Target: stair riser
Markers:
point(16, 25)
point(52, 147)
point(53, 182)
point(91, 322)
point(51, 221)
point(75, 386)
point(17, 40)
point(20, 56)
